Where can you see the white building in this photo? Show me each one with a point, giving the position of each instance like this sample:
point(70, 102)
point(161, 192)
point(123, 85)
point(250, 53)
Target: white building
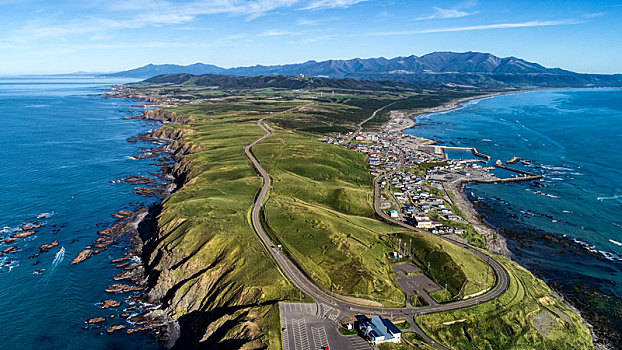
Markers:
point(380, 330)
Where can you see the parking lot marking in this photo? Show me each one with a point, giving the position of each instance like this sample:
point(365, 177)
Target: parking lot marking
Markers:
point(285, 333)
point(299, 330)
point(319, 337)
point(359, 343)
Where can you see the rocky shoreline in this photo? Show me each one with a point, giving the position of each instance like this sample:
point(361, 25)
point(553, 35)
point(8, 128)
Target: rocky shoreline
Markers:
point(496, 241)
point(140, 310)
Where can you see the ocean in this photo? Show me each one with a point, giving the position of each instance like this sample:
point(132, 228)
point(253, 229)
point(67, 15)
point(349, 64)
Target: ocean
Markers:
point(61, 143)
point(566, 228)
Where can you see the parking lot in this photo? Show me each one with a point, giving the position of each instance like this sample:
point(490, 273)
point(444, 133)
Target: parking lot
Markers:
point(306, 326)
point(411, 280)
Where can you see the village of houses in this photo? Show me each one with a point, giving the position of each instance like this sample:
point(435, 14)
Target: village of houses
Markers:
point(417, 173)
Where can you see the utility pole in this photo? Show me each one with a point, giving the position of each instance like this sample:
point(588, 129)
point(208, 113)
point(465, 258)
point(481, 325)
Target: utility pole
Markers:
point(410, 251)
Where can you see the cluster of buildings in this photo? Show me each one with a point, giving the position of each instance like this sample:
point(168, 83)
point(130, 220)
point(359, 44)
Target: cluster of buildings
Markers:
point(418, 173)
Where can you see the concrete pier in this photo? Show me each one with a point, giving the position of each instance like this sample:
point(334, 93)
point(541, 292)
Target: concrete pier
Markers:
point(472, 149)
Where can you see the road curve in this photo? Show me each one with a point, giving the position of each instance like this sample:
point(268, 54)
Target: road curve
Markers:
point(319, 294)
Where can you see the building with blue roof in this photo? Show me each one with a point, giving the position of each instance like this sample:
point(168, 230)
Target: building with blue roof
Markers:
point(380, 330)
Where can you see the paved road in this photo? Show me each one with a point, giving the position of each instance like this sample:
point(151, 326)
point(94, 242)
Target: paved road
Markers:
point(359, 126)
point(320, 295)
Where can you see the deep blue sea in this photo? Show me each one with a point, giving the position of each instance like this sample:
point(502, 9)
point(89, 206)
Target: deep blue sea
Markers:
point(60, 145)
point(574, 139)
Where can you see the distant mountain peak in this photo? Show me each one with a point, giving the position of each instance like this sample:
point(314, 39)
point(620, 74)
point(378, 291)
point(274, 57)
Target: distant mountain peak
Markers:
point(470, 68)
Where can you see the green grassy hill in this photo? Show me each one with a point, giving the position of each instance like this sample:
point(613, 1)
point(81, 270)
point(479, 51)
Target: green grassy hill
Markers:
point(527, 316)
point(212, 274)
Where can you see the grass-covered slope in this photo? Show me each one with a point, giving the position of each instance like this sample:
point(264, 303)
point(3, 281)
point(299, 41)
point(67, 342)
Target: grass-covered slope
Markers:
point(526, 316)
point(321, 210)
point(213, 275)
point(207, 267)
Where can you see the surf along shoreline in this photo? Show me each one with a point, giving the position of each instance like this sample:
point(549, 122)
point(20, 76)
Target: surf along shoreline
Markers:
point(497, 238)
point(495, 241)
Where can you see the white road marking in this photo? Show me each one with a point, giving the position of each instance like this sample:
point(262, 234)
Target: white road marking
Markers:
point(299, 330)
point(319, 337)
point(285, 333)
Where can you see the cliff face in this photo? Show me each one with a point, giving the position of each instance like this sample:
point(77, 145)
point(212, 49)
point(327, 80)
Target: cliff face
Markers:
point(166, 116)
point(204, 264)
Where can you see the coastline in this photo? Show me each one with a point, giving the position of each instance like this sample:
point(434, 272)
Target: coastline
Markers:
point(496, 242)
point(177, 172)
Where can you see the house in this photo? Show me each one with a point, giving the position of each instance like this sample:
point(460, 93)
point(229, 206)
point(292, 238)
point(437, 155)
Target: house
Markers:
point(380, 330)
point(394, 214)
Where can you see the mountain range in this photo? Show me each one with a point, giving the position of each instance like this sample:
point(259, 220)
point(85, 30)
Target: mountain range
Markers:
point(467, 68)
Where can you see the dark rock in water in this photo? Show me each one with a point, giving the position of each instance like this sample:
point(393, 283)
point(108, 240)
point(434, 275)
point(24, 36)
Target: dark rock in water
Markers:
point(46, 247)
point(110, 303)
point(121, 288)
point(135, 330)
point(23, 234)
point(116, 328)
point(83, 255)
point(9, 250)
point(95, 320)
point(115, 261)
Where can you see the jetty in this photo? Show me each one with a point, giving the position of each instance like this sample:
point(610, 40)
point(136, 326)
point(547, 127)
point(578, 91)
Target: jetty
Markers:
point(532, 176)
point(472, 149)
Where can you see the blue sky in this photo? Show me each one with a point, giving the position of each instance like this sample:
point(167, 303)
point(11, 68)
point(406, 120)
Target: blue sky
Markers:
point(42, 36)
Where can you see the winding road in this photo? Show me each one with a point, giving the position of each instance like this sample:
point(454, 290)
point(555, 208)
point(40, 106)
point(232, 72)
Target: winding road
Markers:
point(343, 303)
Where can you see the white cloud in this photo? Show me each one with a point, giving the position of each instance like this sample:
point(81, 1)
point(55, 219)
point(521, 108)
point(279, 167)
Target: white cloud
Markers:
point(274, 32)
point(150, 13)
point(477, 27)
point(441, 13)
point(329, 4)
point(594, 15)
point(307, 22)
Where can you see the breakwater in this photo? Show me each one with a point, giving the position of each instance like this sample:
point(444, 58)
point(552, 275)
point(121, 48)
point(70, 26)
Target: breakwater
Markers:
point(500, 165)
point(577, 197)
point(472, 149)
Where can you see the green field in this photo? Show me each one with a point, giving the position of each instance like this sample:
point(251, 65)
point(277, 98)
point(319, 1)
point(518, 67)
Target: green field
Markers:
point(526, 316)
point(213, 274)
point(320, 209)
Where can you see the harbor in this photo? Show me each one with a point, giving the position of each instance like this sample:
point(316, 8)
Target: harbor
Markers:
point(418, 175)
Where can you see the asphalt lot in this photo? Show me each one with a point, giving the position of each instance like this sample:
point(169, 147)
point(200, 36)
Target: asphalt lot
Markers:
point(411, 280)
point(305, 328)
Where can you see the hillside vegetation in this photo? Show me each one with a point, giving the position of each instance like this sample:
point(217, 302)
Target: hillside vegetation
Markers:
point(207, 267)
point(527, 316)
point(212, 274)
